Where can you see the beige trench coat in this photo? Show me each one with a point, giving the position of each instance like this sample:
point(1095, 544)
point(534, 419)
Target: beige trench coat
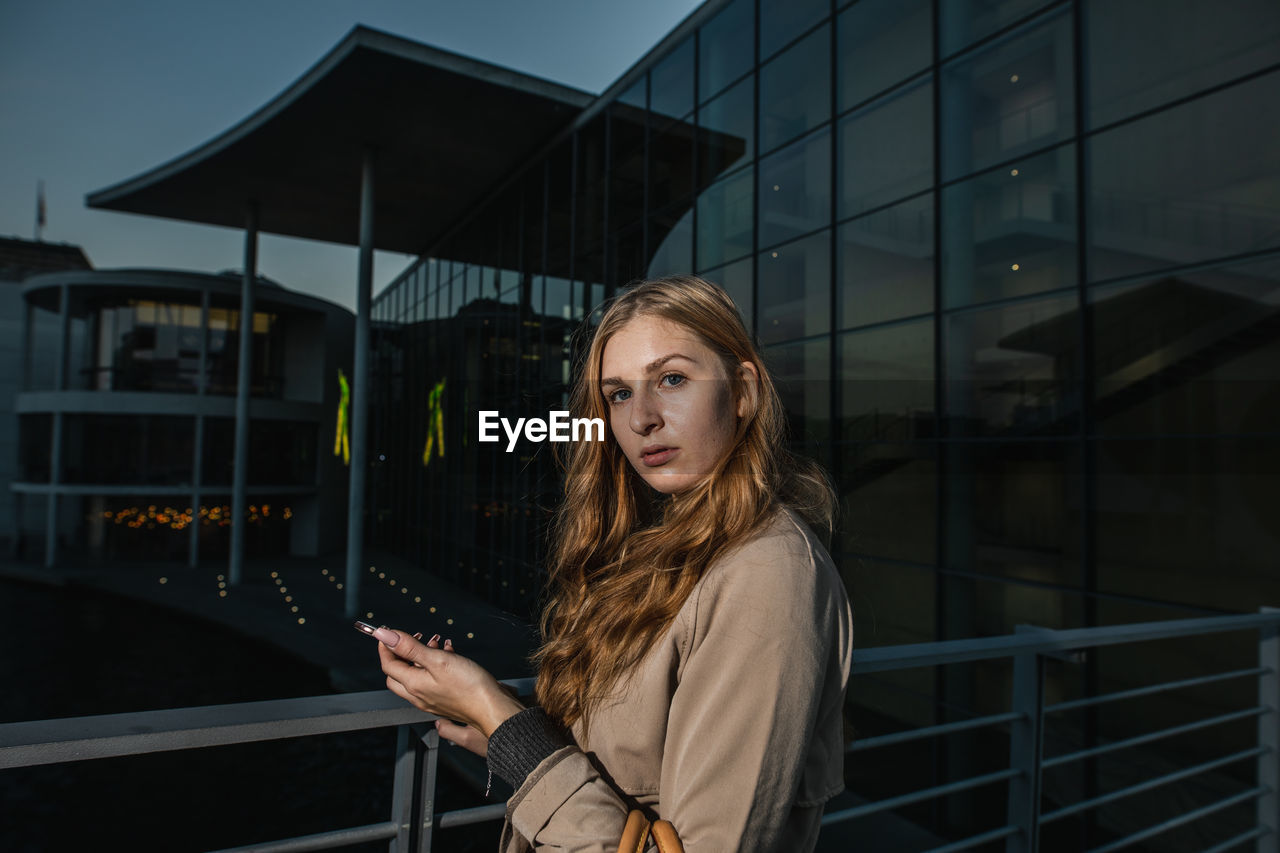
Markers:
point(731, 727)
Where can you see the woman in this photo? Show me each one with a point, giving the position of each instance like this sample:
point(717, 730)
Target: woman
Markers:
point(698, 636)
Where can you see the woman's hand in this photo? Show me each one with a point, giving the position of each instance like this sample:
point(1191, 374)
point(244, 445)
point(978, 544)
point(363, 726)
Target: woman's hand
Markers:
point(442, 682)
point(466, 737)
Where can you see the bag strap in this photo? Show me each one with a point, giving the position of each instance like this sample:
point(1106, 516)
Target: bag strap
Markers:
point(638, 829)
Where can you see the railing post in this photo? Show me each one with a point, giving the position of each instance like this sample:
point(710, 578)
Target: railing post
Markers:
point(1269, 733)
point(1025, 738)
point(413, 795)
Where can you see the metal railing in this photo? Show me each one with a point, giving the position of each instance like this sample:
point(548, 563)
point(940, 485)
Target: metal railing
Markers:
point(413, 819)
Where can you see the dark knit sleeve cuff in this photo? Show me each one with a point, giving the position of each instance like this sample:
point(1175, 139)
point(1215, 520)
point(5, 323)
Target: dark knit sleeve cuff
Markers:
point(522, 743)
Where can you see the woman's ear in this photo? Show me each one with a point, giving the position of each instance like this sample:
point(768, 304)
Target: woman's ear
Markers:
point(750, 377)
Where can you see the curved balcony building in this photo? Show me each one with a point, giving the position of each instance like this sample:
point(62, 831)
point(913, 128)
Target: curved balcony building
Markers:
point(126, 417)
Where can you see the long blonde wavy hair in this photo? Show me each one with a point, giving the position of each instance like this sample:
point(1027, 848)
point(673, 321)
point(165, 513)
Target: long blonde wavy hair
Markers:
point(622, 563)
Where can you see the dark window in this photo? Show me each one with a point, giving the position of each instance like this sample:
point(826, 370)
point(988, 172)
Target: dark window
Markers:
point(726, 47)
point(726, 135)
point(795, 289)
point(802, 372)
point(1014, 369)
point(1189, 184)
point(886, 150)
point(795, 91)
point(795, 189)
point(886, 264)
point(1010, 231)
point(881, 42)
point(887, 386)
point(726, 217)
point(671, 96)
point(782, 22)
point(962, 22)
point(1011, 97)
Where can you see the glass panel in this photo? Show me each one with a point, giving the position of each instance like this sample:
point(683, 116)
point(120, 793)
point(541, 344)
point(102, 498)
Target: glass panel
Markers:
point(1185, 47)
point(1174, 512)
point(627, 255)
point(1193, 353)
point(889, 505)
point(725, 47)
point(887, 385)
point(626, 191)
point(879, 43)
point(1195, 182)
point(886, 150)
point(636, 94)
point(1014, 510)
point(1011, 231)
point(1012, 96)
point(802, 372)
point(725, 218)
point(590, 183)
point(795, 91)
point(962, 22)
point(42, 346)
point(726, 139)
point(671, 96)
point(782, 22)
point(672, 233)
point(671, 165)
point(35, 439)
point(736, 279)
point(795, 189)
point(1013, 370)
point(886, 264)
point(795, 289)
point(128, 449)
point(282, 452)
point(559, 298)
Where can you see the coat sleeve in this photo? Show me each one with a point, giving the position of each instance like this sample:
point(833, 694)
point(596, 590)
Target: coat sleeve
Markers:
point(753, 746)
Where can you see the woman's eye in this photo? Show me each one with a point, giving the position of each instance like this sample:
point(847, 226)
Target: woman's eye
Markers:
point(671, 380)
point(618, 396)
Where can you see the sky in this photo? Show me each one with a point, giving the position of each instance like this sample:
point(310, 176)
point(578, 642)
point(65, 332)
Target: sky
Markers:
point(94, 93)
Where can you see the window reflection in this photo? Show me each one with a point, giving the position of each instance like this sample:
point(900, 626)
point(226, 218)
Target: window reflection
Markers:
point(794, 193)
point(1012, 96)
point(671, 85)
point(128, 449)
point(887, 387)
point(886, 264)
point(726, 215)
point(782, 22)
point(1196, 352)
point(795, 289)
point(795, 90)
point(726, 139)
point(879, 43)
point(1188, 184)
point(725, 47)
point(736, 279)
point(889, 498)
point(1185, 48)
point(672, 233)
point(802, 372)
point(886, 150)
point(1010, 231)
point(962, 22)
point(1013, 370)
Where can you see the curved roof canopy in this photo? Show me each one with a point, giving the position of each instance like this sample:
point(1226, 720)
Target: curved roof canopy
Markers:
point(445, 130)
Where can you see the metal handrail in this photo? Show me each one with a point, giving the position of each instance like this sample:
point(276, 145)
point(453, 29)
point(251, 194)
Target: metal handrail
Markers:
point(74, 739)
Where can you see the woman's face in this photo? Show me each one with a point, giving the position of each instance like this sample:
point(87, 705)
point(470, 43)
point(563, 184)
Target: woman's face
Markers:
point(671, 406)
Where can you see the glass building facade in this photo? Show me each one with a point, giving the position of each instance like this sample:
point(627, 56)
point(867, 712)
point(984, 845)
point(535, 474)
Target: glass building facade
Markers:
point(126, 421)
point(1016, 266)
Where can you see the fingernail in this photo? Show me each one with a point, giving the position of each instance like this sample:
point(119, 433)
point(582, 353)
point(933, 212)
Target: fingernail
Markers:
point(418, 636)
point(448, 644)
point(435, 638)
point(387, 637)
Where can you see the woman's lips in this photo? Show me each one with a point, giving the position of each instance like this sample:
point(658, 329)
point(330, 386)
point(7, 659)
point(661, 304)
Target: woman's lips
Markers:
point(658, 456)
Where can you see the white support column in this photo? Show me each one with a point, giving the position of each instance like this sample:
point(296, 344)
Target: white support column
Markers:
point(360, 393)
point(244, 378)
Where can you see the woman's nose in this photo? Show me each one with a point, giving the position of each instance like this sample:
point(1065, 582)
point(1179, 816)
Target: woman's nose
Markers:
point(645, 414)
